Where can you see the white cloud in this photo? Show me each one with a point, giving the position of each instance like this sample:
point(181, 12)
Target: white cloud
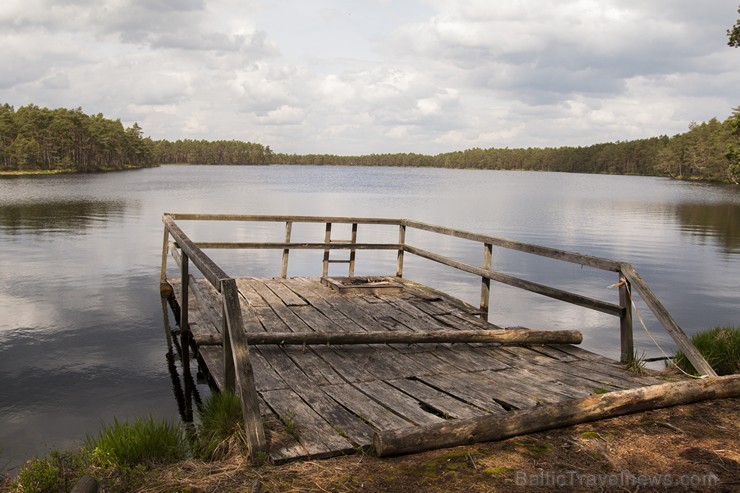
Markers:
point(377, 76)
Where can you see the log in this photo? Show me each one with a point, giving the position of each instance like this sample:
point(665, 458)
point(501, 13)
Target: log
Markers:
point(492, 427)
point(86, 484)
point(515, 336)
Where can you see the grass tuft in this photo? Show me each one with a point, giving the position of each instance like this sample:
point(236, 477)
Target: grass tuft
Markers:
point(635, 363)
point(221, 428)
point(144, 441)
point(38, 476)
point(720, 346)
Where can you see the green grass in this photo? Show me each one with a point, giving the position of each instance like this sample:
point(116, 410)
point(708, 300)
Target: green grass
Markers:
point(143, 441)
point(221, 428)
point(57, 472)
point(720, 346)
point(635, 363)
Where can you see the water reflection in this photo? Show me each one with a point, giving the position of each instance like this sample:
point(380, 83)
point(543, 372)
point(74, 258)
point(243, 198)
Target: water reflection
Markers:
point(712, 220)
point(184, 386)
point(58, 217)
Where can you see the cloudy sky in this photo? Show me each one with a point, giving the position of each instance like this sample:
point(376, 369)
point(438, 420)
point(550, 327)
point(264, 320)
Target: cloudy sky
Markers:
point(363, 76)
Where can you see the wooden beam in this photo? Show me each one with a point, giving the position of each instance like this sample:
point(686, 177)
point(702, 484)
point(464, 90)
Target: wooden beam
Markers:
point(670, 325)
point(492, 427)
point(576, 258)
point(503, 336)
point(534, 287)
point(208, 267)
point(282, 218)
point(334, 245)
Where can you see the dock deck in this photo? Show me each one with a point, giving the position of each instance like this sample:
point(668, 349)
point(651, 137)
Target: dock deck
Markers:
point(382, 382)
point(333, 399)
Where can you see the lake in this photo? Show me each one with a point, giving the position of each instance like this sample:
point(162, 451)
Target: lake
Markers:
point(81, 321)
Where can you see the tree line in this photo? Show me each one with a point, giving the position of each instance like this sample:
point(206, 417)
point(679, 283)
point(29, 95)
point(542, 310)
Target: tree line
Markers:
point(34, 138)
point(229, 152)
point(707, 151)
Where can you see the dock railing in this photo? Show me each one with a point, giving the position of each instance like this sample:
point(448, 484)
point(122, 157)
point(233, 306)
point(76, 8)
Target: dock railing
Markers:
point(238, 370)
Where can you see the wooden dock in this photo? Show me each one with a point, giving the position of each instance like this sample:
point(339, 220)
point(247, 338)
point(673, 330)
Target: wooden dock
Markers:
point(313, 399)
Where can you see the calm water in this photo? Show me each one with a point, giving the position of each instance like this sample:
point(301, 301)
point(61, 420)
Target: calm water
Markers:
point(81, 323)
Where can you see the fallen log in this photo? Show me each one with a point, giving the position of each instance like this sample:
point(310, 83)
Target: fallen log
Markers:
point(493, 427)
point(515, 336)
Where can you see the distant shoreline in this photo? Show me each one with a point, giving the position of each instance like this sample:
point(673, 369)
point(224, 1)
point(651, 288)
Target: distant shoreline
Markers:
point(48, 172)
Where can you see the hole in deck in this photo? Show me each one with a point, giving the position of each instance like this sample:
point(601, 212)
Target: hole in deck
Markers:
point(368, 285)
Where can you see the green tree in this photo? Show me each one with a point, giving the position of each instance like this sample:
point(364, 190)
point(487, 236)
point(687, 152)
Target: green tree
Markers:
point(734, 34)
point(733, 150)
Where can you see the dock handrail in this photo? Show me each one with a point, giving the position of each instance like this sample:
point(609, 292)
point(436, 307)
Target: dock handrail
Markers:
point(238, 371)
point(237, 365)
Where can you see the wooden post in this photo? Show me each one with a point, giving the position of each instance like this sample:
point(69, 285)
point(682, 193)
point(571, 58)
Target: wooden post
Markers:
point(490, 427)
point(352, 252)
point(244, 374)
point(625, 320)
point(327, 239)
point(184, 292)
point(185, 332)
point(165, 249)
point(288, 229)
point(402, 242)
point(679, 336)
point(485, 286)
point(229, 370)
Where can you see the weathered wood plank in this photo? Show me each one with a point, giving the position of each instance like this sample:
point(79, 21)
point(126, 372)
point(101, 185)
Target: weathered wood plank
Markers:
point(314, 366)
point(295, 323)
point(213, 358)
point(561, 371)
point(598, 373)
point(208, 299)
point(288, 296)
point(453, 384)
point(304, 385)
point(513, 379)
point(315, 435)
point(430, 359)
point(283, 447)
point(500, 388)
point(371, 412)
point(268, 319)
point(442, 402)
point(251, 296)
point(401, 403)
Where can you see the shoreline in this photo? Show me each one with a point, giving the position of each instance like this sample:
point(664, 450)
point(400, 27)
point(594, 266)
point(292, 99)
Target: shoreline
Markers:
point(684, 448)
point(52, 172)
